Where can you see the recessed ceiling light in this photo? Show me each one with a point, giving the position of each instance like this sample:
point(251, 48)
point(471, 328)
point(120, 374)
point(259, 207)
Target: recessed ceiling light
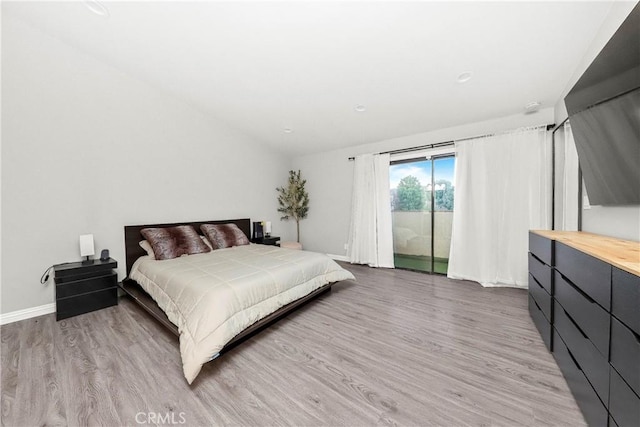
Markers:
point(288, 130)
point(360, 108)
point(464, 77)
point(532, 107)
point(97, 7)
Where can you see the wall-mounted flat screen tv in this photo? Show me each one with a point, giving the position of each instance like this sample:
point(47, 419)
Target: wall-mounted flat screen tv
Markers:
point(608, 143)
point(604, 111)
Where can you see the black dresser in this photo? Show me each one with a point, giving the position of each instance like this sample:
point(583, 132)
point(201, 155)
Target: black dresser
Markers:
point(84, 287)
point(587, 311)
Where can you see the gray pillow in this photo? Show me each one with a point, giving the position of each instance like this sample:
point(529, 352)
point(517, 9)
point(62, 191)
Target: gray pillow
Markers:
point(172, 242)
point(224, 235)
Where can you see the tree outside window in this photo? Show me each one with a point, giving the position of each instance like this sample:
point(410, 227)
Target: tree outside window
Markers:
point(410, 195)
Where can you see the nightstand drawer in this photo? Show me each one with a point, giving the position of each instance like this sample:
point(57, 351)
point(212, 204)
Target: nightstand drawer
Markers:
point(541, 322)
point(72, 306)
point(541, 296)
point(594, 321)
point(592, 408)
point(625, 354)
point(624, 404)
point(271, 240)
point(541, 247)
point(625, 298)
point(77, 270)
point(84, 286)
point(594, 365)
point(591, 275)
point(541, 272)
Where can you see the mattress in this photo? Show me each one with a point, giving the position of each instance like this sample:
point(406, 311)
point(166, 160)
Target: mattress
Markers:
point(212, 297)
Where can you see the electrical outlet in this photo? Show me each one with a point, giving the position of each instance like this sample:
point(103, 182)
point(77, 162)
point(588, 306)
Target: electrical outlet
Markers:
point(346, 246)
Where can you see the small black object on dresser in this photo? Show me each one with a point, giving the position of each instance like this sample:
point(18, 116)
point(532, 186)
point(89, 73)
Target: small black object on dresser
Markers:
point(82, 288)
point(271, 240)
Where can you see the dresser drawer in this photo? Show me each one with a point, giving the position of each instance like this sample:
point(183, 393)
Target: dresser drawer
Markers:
point(84, 303)
point(541, 247)
point(541, 272)
point(625, 354)
point(589, 274)
point(86, 285)
point(541, 322)
point(541, 296)
point(592, 408)
point(624, 404)
point(594, 321)
point(625, 298)
point(594, 365)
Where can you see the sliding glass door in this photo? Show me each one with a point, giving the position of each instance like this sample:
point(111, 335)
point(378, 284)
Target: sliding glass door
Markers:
point(422, 211)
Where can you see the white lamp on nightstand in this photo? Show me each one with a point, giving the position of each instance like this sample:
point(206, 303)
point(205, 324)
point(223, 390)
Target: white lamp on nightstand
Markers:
point(86, 247)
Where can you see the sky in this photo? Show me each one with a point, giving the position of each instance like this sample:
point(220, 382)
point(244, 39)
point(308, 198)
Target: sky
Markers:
point(422, 170)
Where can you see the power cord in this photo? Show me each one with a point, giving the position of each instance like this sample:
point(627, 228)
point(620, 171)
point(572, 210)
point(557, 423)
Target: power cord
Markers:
point(45, 276)
point(47, 272)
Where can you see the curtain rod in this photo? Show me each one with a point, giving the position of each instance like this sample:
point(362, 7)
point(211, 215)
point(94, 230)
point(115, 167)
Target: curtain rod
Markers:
point(443, 144)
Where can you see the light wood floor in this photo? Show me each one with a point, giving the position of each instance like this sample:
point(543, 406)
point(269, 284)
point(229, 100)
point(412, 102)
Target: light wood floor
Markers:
point(396, 347)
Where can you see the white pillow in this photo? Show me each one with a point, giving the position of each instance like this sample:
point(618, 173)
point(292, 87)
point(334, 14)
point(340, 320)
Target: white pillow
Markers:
point(147, 248)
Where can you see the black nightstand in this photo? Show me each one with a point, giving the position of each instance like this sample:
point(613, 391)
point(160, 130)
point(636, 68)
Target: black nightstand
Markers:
point(81, 288)
point(271, 240)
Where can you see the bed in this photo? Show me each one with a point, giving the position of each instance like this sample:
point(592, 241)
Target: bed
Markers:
point(214, 300)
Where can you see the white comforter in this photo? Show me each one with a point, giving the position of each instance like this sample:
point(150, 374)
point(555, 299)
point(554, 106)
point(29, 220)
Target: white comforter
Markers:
point(214, 296)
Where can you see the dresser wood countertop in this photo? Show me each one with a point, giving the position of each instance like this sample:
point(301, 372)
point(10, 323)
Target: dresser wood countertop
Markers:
point(624, 254)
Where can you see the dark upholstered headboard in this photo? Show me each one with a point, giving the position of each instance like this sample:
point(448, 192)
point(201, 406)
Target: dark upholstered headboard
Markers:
point(132, 236)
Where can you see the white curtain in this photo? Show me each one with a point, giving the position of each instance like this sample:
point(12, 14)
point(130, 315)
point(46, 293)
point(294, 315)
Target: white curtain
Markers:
point(370, 237)
point(502, 189)
point(571, 183)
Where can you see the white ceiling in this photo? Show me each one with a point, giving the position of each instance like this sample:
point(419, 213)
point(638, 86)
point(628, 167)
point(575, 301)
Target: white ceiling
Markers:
point(265, 66)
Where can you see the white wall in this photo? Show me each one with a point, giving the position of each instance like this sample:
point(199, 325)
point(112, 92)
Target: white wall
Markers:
point(329, 177)
point(88, 149)
point(619, 221)
point(1, 160)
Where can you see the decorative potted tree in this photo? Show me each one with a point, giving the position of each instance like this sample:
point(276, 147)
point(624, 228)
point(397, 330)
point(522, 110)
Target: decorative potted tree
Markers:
point(293, 200)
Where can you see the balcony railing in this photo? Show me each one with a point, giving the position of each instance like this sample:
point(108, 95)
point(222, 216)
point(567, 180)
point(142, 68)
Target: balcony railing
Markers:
point(412, 233)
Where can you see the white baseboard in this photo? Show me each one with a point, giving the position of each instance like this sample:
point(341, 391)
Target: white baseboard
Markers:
point(27, 313)
point(338, 257)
